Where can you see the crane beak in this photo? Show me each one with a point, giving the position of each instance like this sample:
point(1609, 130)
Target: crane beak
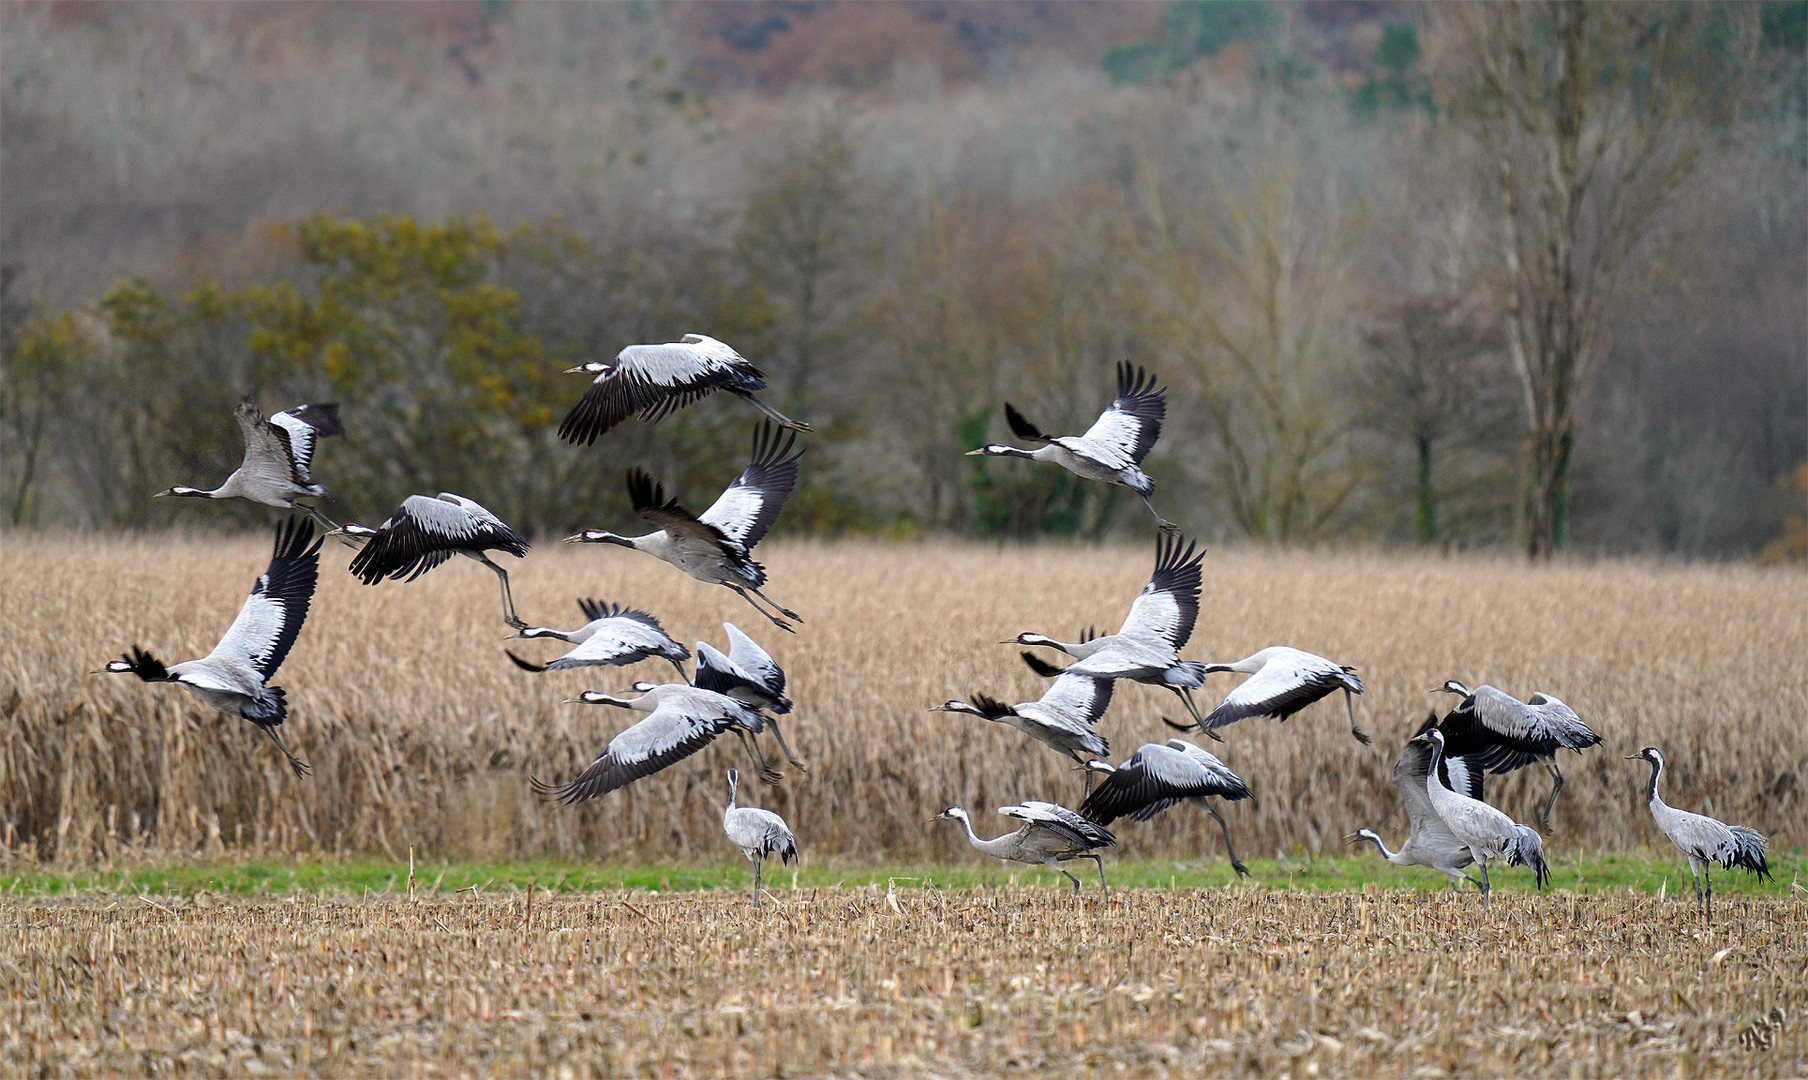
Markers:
point(976, 453)
point(578, 539)
point(1635, 757)
point(575, 370)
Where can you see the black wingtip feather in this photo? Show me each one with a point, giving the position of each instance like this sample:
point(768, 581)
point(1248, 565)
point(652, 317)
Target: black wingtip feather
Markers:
point(1040, 666)
point(1021, 427)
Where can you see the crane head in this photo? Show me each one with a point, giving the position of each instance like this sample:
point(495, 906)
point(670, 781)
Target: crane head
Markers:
point(1362, 836)
point(1097, 766)
point(1649, 753)
point(139, 663)
point(184, 492)
point(589, 367)
point(1033, 639)
point(1451, 686)
point(597, 536)
point(953, 813)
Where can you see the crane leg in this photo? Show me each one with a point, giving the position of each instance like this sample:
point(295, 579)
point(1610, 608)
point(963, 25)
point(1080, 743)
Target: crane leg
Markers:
point(783, 745)
point(1097, 858)
point(508, 601)
point(1695, 872)
point(1349, 701)
point(1484, 867)
point(1070, 877)
point(1707, 879)
point(1235, 863)
point(765, 771)
point(757, 864)
point(1544, 815)
point(783, 420)
point(324, 522)
point(1160, 523)
point(774, 619)
point(778, 607)
point(681, 674)
point(301, 767)
point(1186, 698)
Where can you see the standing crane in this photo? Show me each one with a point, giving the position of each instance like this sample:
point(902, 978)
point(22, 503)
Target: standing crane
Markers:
point(758, 833)
point(681, 720)
point(1146, 648)
point(1430, 842)
point(1484, 830)
point(1062, 718)
point(1504, 733)
point(749, 675)
point(424, 532)
point(1113, 448)
point(235, 677)
point(1281, 682)
point(716, 546)
point(614, 636)
point(1703, 839)
point(278, 453)
point(653, 380)
point(1050, 836)
point(1156, 777)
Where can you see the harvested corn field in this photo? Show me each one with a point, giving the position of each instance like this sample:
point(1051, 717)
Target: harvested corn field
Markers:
point(883, 982)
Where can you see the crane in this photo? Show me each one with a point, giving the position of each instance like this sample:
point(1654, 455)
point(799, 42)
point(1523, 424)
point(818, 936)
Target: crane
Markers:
point(614, 636)
point(758, 833)
point(1158, 776)
point(749, 675)
point(1704, 840)
point(1430, 842)
point(681, 720)
point(1146, 647)
point(235, 677)
point(1504, 733)
point(653, 380)
point(425, 531)
point(1281, 682)
point(1484, 830)
point(1062, 718)
point(278, 454)
point(1112, 449)
point(716, 546)
point(1050, 836)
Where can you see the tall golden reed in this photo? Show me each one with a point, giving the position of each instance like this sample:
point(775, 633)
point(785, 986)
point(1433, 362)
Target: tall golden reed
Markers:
point(422, 733)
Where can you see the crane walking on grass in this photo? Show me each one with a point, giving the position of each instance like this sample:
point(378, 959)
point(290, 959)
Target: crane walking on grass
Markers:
point(716, 546)
point(234, 677)
point(758, 833)
point(1146, 647)
point(1484, 830)
point(1704, 840)
point(1113, 448)
point(1430, 842)
point(424, 532)
point(1503, 733)
point(278, 453)
point(653, 380)
point(1156, 777)
point(1050, 836)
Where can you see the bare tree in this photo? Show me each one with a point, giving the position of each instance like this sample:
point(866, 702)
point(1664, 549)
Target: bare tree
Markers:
point(1587, 119)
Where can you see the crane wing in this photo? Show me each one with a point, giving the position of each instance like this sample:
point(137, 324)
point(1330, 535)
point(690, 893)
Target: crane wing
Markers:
point(1130, 425)
point(664, 738)
point(267, 453)
point(1428, 828)
point(617, 641)
point(1062, 821)
point(653, 380)
point(650, 502)
point(424, 532)
point(1503, 733)
point(751, 504)
point(1282, 687)
point(1168, 606)
point(1155, 778)
point(749, 657)
point(297, 429)
point(272, 615)
point(1077, 700)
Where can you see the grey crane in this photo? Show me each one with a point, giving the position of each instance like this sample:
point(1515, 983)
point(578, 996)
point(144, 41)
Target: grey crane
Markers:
point(716, 546)
point(758, 833)
point(278, 454)
point(653, 380)
point(1158, 776)
point(615, 636)
point(1050, 836)
point(749, 675)
point(426, 531)
point(1112, 449)
point(1430, 842)
point(1061, 719)
point(1146, 647)
point(1281, 682)
point(235, 677)
point(1504, 733)
point(1703, 839)
point(1484, 830)
point(681, 720)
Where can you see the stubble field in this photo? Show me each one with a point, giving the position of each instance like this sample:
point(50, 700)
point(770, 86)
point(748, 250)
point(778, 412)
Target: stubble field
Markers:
point(903, 983)
point(423, 735)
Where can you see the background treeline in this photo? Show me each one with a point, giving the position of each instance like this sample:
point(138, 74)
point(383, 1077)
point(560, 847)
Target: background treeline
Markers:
point(1406, 280)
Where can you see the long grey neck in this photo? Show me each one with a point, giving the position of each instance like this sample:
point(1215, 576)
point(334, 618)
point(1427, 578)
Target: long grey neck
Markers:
point(1657, 770)
point(1390, 856)
point(732, 785)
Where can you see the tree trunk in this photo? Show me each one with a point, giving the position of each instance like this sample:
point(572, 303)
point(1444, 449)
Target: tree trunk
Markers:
point(1547, 487)
point(1425, 504)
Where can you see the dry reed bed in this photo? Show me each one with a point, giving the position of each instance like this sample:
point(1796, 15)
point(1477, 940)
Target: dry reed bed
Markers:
point(421, 733)
point(1221, 981)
